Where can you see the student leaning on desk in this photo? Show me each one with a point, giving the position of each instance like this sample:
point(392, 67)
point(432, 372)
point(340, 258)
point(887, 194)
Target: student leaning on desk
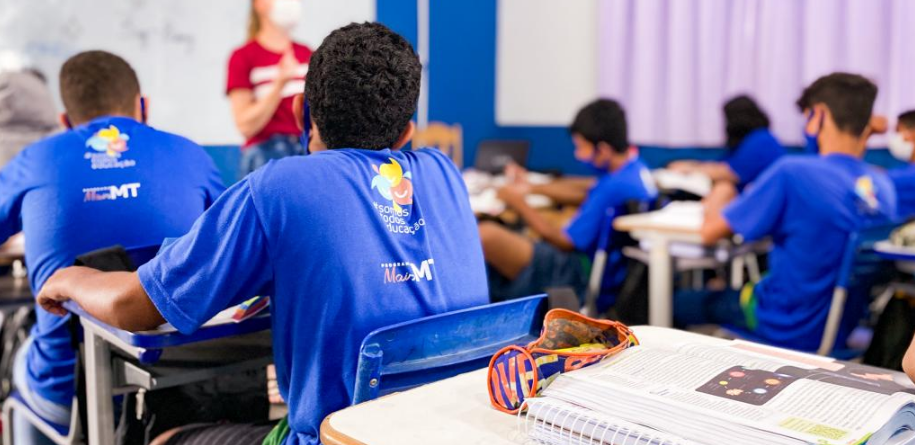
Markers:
point(519, 266)
point(110, 179)
point(808, 205)
point(351, 238)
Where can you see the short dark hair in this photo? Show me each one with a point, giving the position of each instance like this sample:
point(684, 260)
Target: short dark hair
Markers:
point(742, 116)
point(849, 97)
point(97, 83)
point(603, 120)
point(363, 84)
point(907, 119)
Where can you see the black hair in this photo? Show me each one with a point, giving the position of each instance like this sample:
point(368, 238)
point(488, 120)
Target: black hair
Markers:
point(363, 84)
point(98, 83)
point(603, 120)
point(907, 119)
point(849, 97)
point(742, 116)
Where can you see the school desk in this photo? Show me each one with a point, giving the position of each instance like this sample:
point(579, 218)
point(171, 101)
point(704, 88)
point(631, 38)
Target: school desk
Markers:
point(456, 411)
point(110, 374)
point(903, 256)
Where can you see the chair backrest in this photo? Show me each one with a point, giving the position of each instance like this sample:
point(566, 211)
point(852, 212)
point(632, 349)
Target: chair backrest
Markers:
point(449, 139)
point(599, 262)
point(859, 270)
point(409, 354)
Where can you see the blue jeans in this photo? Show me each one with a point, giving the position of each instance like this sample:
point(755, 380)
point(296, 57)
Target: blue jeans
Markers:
point(726, 307)
point(23, 431)
point(278, 146)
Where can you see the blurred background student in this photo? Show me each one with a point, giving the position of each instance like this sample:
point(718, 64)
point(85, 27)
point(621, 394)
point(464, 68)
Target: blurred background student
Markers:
point(263, 76)
point(27, 111)
point(752, 148)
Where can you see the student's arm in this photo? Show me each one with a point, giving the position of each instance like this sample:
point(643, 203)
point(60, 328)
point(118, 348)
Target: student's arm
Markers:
point(513, 196)
point(714, 226)
point(251, 115)
point(222, 261)
point(114, 298)
point(567, 191)
point(718, 171)
point(754, 214)
point(908, 362)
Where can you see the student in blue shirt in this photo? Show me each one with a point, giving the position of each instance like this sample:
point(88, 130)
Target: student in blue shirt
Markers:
point(808, 205)
point(902, 147)
point(752, 148)
point(354, 237)
point(110, 179)
point(519, 267)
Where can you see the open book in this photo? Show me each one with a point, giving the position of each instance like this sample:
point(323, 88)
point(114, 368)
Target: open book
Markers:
point(681, 388)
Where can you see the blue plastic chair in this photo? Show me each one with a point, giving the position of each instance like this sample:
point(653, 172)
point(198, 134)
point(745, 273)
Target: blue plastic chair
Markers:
point(859, 270)
point(413, 353)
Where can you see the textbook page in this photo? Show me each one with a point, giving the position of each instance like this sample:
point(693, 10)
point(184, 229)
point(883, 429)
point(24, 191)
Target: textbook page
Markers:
point(741, 394)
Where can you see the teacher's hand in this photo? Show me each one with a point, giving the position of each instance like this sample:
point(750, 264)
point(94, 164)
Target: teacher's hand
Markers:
point(288, 66)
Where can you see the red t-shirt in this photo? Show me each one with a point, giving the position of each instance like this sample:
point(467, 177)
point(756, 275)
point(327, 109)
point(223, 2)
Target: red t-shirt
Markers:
point(255, 68)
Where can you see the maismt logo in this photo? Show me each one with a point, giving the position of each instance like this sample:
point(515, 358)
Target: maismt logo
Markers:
point(403, 272)
point(111, 192)
point(109, 141)
point(394, 184)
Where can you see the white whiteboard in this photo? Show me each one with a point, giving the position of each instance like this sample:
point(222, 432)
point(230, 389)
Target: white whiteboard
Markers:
point(179, 48)
point(546, 60)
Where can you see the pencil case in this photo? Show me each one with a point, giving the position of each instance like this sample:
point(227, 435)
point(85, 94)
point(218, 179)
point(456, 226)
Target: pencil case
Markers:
point(569, 341)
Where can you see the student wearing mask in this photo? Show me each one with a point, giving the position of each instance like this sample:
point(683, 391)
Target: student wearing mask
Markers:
point(520, 267)
point(354, 237)
point(263, 77)
point(808, 205)
point(752, 148)
point(902, 147)
point(109, 180)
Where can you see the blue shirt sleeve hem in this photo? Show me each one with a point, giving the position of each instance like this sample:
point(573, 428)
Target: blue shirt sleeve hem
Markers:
point(161, 301)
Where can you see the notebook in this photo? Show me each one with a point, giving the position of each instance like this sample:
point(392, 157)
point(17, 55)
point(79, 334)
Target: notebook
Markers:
point(674, 390)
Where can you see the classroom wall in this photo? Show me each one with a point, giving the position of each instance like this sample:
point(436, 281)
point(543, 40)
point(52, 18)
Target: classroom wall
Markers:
point(463, 78)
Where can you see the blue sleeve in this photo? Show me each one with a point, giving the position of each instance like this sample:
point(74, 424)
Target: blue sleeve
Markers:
point(756, 213)
point(584, 229)
point(221, 262)
point(213, 186)
point(16, 179)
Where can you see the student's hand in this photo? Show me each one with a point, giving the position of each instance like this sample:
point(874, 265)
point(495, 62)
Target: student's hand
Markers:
point(55, 291)
point(516, 173)
point(513, 194)
point(288, 66)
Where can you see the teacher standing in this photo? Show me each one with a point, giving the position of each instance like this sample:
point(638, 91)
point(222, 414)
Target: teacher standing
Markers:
point(263, 77)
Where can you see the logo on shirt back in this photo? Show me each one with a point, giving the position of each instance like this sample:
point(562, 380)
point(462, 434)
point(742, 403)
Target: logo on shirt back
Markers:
point(395, 186)
point(403, 272)
point(111, 192)
point(864, 188)
point(108, 144)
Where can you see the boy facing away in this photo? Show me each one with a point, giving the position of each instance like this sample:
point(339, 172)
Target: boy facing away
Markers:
point(354, 237)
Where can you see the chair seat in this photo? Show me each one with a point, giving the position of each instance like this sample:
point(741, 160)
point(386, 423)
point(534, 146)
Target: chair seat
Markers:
point(16, 396)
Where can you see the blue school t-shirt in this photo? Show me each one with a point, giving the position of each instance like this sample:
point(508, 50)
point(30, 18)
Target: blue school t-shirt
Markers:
point(808, 205)
point(755, 153)
point(111, 181)
point(904, 180)
point(613, 191)
point(345, 241)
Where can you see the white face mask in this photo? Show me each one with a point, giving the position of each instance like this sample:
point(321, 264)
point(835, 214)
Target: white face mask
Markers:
point(900, 148)
point(286, 13)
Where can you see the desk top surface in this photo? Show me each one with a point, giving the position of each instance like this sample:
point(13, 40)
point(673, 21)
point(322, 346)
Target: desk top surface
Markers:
point(455, 411)
point(683, 218)
point(167, 336)
point(890, 251)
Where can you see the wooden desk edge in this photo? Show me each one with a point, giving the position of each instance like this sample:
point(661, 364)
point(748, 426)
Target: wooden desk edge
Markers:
point(330, 436)
point(623, 226)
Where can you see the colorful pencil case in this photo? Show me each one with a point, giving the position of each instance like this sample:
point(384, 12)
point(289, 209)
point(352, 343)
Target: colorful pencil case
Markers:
point(569, 341)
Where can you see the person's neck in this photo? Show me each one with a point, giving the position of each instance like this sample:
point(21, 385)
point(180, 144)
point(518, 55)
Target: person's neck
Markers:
point(273, 38)
point(101, 116)
point(618, 162)
point(844, 144)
